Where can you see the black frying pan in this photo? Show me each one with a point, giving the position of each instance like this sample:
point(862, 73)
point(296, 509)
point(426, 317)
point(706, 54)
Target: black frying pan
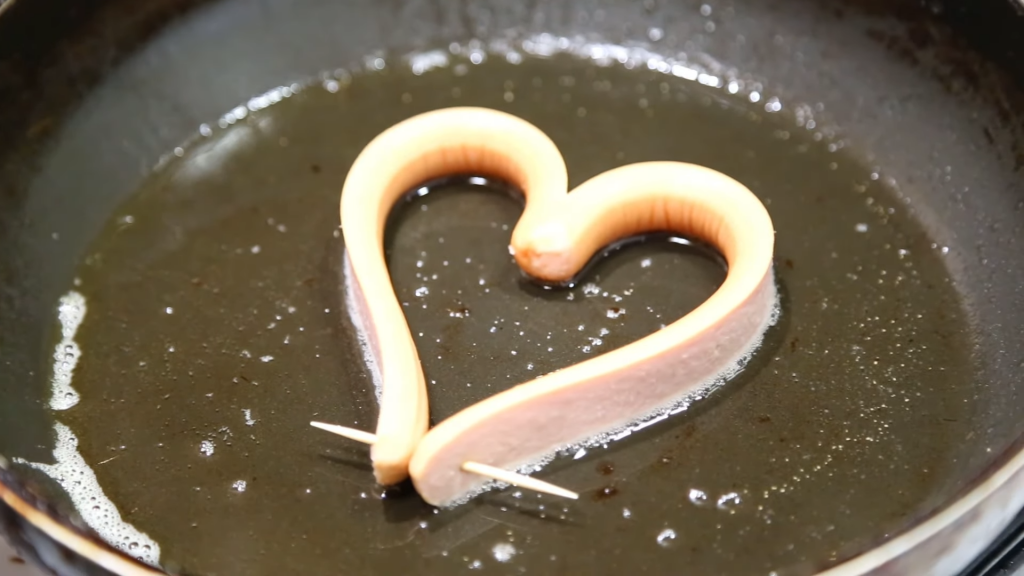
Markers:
point(920, 102)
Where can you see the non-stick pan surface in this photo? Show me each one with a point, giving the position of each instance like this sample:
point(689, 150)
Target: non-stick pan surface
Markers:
point(100, 98)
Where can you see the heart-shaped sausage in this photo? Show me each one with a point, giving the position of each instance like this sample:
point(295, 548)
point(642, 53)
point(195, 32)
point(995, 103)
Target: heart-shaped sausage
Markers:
point(556, 236)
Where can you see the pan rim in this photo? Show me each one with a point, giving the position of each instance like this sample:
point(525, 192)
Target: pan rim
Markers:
point(976, 493)
point(865, 562)
point(988, 484)
point(100, 554)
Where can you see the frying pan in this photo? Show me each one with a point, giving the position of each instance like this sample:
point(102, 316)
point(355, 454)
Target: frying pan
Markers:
point(94, 94)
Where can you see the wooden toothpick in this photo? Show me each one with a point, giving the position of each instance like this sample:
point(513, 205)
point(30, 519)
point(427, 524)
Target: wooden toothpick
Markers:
point(350, 433)
point(492, 472)
point(517, 479)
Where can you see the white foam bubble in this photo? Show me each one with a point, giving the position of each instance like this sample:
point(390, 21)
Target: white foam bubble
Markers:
point(698, 497)
point(728, 501)
point(77, 478)
point(70, 313)
point(421, 62)
point(695, 67)
point(207, 447)
point(503, 551)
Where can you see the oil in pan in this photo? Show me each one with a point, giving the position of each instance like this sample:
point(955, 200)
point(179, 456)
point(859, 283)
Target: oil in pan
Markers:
point(215, 312)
